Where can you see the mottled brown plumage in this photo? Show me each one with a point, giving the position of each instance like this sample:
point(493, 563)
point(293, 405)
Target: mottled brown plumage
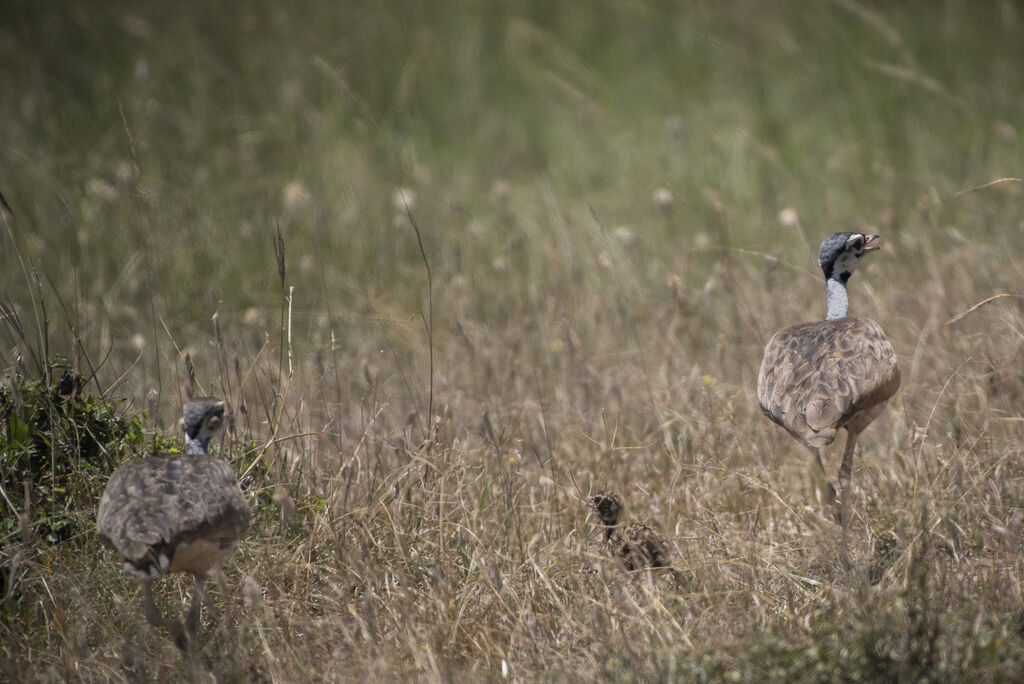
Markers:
point(636, 545)
point(818, 378)
point(175, 513)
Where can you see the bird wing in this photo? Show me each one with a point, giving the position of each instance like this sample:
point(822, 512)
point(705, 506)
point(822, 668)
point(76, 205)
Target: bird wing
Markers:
point(816, 376)
point(153, 505)
point(653, 546)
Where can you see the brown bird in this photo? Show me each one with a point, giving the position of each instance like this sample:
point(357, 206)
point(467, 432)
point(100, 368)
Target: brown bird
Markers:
point(636, 545)
point(817, 378)
point(175, 513)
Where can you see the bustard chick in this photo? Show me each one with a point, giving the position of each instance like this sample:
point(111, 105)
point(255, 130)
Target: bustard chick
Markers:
point(636, 545)
point(175, 513)
point(817, 378)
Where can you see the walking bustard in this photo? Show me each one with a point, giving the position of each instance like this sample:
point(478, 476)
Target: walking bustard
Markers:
point(175, 513)
point(817, 378)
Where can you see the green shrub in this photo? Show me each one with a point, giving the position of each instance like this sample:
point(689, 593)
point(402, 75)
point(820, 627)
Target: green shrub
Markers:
point(58, 445)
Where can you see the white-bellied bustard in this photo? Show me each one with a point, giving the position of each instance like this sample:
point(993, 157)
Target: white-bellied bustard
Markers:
point(817, 378)
point(175, 513)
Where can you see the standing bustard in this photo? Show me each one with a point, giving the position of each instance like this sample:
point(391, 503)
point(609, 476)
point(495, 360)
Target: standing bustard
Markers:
point(175, 513)
point(819, 377)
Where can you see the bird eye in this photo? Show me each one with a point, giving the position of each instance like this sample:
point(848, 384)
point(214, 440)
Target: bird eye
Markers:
point(858, 243)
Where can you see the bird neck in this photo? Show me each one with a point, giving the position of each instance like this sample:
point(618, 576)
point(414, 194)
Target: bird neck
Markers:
point(196, 446)
point(838, 301)
point(609, 530)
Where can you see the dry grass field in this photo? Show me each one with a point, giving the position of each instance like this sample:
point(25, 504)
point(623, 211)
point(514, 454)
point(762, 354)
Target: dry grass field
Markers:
point(617, 204)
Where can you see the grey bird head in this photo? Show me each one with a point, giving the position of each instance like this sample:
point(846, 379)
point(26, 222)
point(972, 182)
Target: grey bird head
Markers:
point(201, 420)
point(608, 507)
point(841, 253)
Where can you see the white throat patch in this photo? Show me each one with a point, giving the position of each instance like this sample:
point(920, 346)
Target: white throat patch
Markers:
point(847, 263)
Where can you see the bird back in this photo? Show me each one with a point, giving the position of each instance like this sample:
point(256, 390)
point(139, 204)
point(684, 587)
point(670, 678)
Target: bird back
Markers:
point(154, 506)
point(816, 377)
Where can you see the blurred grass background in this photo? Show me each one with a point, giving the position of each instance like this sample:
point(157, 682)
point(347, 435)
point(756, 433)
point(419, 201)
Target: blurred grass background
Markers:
point(619, 202)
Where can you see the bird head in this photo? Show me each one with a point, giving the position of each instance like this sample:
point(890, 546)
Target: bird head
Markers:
point(201, 420)
point(840, 253)
point(608, 507)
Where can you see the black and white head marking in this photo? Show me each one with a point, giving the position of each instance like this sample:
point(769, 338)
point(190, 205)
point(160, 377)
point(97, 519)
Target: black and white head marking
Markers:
point(202, 419)
point(840, 254)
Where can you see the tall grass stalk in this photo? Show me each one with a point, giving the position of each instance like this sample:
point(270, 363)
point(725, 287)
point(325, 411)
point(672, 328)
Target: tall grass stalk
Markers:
point(614, 206)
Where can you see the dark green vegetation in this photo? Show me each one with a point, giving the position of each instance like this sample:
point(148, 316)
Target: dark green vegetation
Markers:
point(618, 203)
point(57, 449)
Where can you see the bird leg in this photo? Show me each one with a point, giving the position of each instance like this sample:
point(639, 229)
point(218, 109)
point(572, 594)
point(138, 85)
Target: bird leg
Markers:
point(199, 597)
point(830, 491)
point(154, 617)
point(844, 486)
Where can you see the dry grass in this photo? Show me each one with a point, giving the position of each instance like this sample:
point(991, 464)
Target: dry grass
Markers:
point(580, 337)
point(383, 549)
